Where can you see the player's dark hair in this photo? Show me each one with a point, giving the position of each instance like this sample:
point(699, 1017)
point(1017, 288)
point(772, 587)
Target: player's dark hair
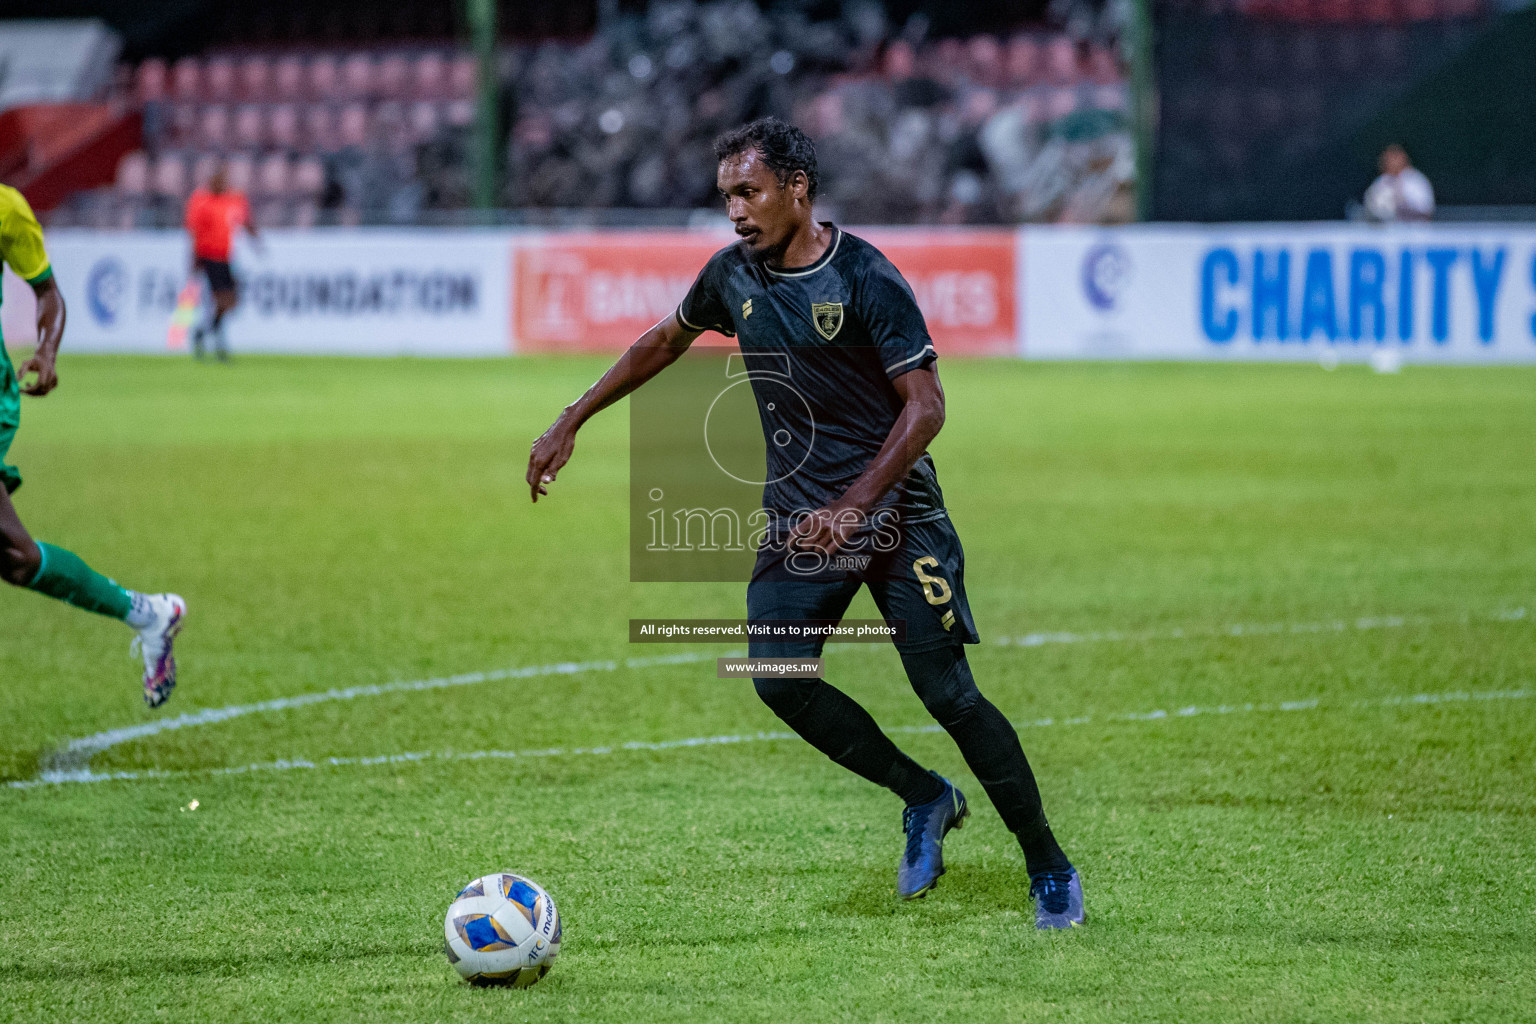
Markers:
point(783, 147)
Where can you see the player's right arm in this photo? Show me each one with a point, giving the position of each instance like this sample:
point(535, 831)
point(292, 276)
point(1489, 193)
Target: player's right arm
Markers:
point(657, 349)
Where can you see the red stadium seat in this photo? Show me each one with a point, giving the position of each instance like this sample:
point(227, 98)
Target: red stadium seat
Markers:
point(288, 78)
point(283, 126)
point(320, 128)
point(272, 176)
point(352, 127)
point(133, 174)
point(256, 78)
point(202, 168)
point(219, 80)
point(425, 120)
point(324, 77)
point(1061, 61)
point(357, 76)
point(212, 127)
point(984, 57)
point(183, 123)
point(169, 177)
point(1022, 63)
point(249, 131)
point(242, 172)
point(462, 75)
point(151, 81)
point(308, 177)
point(187, 79)
point(429, 76)
point(392, 78)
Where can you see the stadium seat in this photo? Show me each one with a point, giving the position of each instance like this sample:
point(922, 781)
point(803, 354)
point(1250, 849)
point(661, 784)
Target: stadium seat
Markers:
point(1103, 66)
point(187, 79)
point(352, 126)
point(459, 113)
point(249, 132)
point(1059, 102)
point(424, 120)
point(430, 76)
point(182, 127)
point(283, 126)
point(308, 179)
point(1061, 61)
point(899, 62)
point(202, 169)
point(984, 57)
point(462, 75)
point(288, 78)
point(212, 127)
point(392, 78)
point(320, 128)
point(272, 176)
point(219, 79)
point(256, 78)
point(169, 177)
point(323, 78)
point(151, 81)
point(1022, 61)
point(133, 174)
point(357, 76)
point(241, 171)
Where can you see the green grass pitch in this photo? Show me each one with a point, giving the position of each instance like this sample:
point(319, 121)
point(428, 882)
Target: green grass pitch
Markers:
point(1318, 578)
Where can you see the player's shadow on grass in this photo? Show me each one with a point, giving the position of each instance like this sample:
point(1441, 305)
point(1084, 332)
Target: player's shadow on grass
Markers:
point(180, 965)
point(967, 888)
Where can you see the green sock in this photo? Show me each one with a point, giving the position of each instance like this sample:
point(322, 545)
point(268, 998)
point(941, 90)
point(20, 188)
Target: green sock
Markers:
point(64, 575)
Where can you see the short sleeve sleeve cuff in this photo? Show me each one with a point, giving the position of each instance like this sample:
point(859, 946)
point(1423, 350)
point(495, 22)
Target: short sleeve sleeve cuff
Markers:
point(916, 361)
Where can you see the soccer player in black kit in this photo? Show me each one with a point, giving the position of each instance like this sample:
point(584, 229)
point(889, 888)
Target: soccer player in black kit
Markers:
point(824, 313)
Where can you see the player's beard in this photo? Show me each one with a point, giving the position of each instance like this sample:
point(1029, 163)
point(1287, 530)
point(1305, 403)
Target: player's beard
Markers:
point(768, 255)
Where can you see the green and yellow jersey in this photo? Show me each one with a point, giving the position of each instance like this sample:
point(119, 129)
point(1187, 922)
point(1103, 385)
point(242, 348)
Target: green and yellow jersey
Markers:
point(21, 248)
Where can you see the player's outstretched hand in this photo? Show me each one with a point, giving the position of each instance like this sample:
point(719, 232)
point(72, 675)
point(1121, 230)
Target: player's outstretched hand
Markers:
point(47, 377)
point(549, 455)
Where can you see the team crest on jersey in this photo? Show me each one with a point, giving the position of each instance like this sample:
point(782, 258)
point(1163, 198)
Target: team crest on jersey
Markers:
point(828, 317)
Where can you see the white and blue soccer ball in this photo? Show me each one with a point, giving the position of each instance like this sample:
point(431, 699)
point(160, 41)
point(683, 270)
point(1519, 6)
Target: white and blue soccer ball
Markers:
point(502, 929)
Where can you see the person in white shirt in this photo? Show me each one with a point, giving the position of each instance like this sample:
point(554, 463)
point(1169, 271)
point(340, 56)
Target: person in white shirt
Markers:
point(1401, 192)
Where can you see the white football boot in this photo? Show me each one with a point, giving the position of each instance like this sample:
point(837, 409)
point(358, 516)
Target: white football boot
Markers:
point(155, 642)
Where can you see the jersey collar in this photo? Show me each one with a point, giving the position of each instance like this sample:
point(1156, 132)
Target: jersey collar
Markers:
point(823, 260)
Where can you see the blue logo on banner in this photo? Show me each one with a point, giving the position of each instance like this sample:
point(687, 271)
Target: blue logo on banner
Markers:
point(1106, 272)
point(106, 288)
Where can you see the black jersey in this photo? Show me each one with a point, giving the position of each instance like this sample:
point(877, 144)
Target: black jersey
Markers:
point(835, 334)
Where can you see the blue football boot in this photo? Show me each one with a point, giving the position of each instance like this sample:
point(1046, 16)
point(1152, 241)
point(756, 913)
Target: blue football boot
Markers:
point(1058, 899)
point(926, 826)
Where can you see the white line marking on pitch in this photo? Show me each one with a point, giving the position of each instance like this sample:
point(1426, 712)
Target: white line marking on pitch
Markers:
point(1314, 704)
point(74, 757)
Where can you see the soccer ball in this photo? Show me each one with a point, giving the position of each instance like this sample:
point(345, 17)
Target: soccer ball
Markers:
point(502, 929)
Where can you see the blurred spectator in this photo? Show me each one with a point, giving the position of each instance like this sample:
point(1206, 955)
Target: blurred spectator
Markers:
point(907, 129)
point(1401, 192)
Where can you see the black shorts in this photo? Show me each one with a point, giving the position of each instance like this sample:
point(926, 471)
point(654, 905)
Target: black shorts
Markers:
point(921, 583)
point(220, 279)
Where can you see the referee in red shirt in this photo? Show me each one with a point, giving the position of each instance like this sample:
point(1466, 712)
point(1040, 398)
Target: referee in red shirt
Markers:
point(213, 214)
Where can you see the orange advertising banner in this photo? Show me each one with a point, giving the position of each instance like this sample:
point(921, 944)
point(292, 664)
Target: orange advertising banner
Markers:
point(599, 292)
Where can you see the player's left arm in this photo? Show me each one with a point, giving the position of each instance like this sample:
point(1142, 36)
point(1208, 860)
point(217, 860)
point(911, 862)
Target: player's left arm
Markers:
point(50, 331)
point(21, 245)
point(920, 420)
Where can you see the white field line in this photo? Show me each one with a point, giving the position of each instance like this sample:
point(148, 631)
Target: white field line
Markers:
point(1190, 711)
point(73, 758)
